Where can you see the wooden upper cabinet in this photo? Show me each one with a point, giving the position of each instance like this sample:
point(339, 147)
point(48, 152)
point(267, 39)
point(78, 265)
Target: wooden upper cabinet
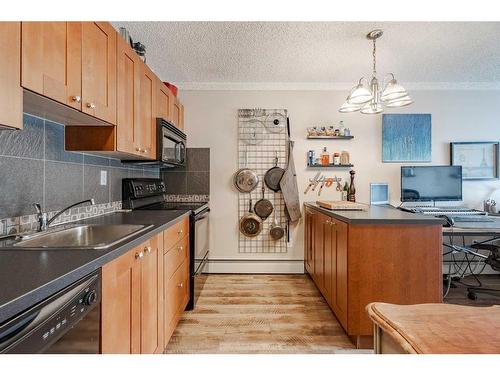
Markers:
point(11, 93)
point(178, 114)
point(99, 70)
point(144, 136)
point(127, 114)
point(51, 60)
point(164, 101)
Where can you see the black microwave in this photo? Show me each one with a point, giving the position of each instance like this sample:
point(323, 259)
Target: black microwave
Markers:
point(170, 146)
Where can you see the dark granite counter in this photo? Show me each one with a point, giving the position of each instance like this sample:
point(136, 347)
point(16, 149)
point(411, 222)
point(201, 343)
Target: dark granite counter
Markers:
point(29, 276)
point(377, 215)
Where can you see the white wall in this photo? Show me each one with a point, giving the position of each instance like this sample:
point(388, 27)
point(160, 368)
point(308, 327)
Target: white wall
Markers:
point(211, 121)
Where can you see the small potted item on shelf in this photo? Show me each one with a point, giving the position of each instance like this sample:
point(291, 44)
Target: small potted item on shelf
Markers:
point(341, 128)
point(311, 157)
point(347, 132)
point(336, 133)
point(330, 131)
point(322, 131)
point(312, 132)
point(336, 158)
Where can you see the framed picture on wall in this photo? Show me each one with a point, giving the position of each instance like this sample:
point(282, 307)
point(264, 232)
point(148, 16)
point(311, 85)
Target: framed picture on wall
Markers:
point(479, 160)
point(406, 138)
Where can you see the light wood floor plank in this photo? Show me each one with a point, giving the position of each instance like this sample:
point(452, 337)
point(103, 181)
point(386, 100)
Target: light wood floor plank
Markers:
point(254, 314)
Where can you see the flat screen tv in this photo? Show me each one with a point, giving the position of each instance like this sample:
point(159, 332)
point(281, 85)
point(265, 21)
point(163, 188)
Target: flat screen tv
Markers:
point(431, 183)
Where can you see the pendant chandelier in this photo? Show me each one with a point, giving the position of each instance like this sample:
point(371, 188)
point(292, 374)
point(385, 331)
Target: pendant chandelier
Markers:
point(368, 97)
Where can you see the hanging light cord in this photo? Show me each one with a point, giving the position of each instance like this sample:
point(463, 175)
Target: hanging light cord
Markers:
point(374, 53)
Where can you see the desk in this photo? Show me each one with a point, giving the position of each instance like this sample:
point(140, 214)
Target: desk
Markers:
point(435, 328)
point(483, 229)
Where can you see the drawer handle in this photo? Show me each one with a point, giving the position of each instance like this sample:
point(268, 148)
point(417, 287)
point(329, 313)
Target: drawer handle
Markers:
point(148, 249)
point(180, 285)
point(76, 98)
point(139, 255)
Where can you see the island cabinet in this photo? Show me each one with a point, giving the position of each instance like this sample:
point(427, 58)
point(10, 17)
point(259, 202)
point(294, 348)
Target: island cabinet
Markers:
point(71, 63)
point(355, 263)
point(11, 94)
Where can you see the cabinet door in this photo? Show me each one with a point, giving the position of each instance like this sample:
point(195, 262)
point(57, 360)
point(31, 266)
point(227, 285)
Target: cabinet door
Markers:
point(121, 305)
point(150, 303)
point(127, 116)
point(164, 101)
point(309, 241)
point(11, 93)
point(146, 112)
point(181, 117)
point(99, 70)
point(330, 248)
point(318, 274)
point(176, 112)
point(51, 60)
point(339, 268)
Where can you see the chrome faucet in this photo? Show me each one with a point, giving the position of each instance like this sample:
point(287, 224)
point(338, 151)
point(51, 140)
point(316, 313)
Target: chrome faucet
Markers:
point(42, 217)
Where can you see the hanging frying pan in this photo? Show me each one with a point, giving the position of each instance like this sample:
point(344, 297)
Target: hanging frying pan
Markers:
point(276, 231)
point(273, 176)
point(263, 208)
point(245, 179)
point(250, 224)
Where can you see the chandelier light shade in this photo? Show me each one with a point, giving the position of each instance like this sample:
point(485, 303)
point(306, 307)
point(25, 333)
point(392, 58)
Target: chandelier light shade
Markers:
point(372, 99)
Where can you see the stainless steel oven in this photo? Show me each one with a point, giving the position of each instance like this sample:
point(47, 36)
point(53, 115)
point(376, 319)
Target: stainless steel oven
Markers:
point(200, 231)
point(67, 322)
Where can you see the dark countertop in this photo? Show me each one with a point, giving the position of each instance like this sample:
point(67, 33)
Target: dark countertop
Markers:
point(377, 215)
point(29, 276)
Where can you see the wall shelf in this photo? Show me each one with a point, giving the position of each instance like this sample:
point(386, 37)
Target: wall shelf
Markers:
point(330, 137)
point(330, 166)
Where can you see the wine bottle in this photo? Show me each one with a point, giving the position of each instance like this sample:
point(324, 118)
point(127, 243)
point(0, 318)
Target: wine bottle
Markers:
point(351, 193)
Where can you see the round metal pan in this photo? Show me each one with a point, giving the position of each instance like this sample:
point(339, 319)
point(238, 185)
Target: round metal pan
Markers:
point(250, 224)
point(263, 208)
point(245, 179)
point(273, 176)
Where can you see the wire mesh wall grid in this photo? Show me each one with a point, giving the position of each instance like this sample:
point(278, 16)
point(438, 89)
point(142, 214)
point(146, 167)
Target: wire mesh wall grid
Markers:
point(259, 143)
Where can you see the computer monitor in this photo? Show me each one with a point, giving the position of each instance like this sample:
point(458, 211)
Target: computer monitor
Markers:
point(431, 183)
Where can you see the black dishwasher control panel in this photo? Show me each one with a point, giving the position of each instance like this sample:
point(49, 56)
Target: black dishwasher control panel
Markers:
point(36, 329)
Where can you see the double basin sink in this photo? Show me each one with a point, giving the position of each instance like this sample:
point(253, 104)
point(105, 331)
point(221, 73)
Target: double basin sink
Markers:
point(80, 237)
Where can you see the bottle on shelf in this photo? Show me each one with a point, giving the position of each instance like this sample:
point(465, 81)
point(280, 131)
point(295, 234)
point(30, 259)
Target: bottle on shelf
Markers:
point(351, 193)
point(336, 158)
point(341, 128)
point(344, 191)
point(325, 157)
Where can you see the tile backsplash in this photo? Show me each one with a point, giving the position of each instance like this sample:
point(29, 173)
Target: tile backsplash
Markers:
point(34, 167)
point(192, 180)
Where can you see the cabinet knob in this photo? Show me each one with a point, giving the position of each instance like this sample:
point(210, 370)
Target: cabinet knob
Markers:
point(138, 149)
point(91, 105)
point(76, 98)
point(139, 255)
point(147, 249)
point(180, 285)
point(180, 231)
point(180, 248)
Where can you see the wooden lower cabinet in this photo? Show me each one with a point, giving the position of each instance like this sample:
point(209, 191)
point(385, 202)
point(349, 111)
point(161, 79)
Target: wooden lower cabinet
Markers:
point(144, 293)
point(353, 265)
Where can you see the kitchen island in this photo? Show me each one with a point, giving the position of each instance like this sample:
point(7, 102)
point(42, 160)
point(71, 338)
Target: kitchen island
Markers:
point(380, 254)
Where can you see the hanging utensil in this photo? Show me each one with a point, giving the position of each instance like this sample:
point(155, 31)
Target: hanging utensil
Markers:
point(275, 122)
point(318, 181)
point(253, 133)
point(312, 182)
point(250, 224)
point(245, 179)
point(288, 183)
point(273, 176)
point(321, 186)
point(276, 231)
point(263, 208)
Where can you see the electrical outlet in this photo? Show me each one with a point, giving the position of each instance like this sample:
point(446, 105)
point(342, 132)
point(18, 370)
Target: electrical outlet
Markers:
point(104, 178)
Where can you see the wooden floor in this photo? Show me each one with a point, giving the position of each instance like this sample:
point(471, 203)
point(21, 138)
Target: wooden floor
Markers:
point(275, 314)
point(259, 314)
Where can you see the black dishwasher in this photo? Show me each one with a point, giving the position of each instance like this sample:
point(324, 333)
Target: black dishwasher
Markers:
point(67, 322)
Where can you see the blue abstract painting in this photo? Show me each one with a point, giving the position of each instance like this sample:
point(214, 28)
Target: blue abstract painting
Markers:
point(406, 138)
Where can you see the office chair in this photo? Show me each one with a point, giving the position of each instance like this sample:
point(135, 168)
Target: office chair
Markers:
point(493, 260)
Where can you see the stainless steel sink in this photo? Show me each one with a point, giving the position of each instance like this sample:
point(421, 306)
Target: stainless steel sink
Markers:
point(91, 237)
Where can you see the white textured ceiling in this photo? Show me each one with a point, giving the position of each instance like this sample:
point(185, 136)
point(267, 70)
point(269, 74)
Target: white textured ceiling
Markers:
point(192, 54)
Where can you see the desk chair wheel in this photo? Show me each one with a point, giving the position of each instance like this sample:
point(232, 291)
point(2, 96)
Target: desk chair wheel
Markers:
point(472, 296)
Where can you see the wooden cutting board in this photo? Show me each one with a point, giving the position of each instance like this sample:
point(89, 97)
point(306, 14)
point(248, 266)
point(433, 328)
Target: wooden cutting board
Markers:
point(342, 205)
